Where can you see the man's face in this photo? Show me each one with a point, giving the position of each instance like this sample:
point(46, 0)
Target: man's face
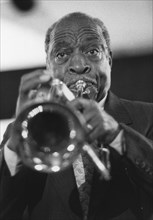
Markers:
point(77, 51)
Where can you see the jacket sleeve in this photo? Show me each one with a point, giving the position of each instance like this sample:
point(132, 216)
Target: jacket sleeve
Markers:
point(18, 193)
point(13, 190)
point(138, 158)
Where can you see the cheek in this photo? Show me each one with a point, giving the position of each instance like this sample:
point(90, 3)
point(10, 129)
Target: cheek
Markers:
point(56, 70)
point(104, 76)
point(59, 71)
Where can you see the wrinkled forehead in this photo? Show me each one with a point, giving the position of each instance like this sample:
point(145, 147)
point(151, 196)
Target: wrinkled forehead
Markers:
point(74, 30)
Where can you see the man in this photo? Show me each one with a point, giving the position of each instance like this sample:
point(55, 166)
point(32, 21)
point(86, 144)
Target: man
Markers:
point(78, 48)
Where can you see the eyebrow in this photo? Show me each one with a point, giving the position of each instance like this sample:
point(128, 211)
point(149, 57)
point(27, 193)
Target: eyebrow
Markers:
point(62, 44)
point(89, 41)
point(95, 38)
point(92, 38)
point(93, 43)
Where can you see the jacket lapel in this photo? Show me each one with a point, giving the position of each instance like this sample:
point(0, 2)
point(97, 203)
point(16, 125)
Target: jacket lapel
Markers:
point(100, 189)
point(116, 108)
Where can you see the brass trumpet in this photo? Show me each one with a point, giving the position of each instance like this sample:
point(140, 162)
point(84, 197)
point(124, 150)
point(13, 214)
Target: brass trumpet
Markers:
point(51, 133)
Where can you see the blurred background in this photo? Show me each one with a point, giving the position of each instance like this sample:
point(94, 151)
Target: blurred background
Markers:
point(23, 27)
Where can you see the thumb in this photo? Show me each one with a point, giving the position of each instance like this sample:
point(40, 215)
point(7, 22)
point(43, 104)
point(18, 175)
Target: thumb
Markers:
point(80, 104)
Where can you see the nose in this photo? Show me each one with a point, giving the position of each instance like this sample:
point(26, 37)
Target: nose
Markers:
point(78, 65)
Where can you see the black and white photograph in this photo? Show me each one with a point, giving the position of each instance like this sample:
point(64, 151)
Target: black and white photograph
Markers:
point(76, 110)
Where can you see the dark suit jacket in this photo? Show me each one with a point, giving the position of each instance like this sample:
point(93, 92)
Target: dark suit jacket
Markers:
point(127, 196)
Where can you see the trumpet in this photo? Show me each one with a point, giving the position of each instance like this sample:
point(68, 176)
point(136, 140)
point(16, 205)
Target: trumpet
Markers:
point(51, 133)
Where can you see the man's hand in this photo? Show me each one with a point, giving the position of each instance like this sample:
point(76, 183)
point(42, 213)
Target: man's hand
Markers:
point(27, 93)
point(100, 124)
point(28, 87)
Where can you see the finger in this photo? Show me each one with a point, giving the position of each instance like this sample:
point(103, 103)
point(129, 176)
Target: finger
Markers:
point(90, 127)
point(33, 81)
point(31, 75)
point(82, 104)
point(76, 103)
point(94, 134)
point(36, 73)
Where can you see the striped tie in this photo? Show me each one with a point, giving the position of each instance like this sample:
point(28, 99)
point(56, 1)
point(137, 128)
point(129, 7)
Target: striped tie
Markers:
point(83, 169)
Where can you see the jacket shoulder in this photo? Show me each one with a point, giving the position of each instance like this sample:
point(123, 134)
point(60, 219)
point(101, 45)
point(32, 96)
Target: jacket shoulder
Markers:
point(138, 107)
point(141, 114)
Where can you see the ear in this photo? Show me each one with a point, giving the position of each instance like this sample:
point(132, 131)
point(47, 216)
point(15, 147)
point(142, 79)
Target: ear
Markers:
point(110, 59)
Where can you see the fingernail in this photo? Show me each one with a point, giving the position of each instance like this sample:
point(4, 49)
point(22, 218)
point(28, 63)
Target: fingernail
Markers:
point(45, 77)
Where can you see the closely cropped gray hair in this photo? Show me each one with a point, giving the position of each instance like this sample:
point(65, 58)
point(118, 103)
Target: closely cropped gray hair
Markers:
point(97, 21)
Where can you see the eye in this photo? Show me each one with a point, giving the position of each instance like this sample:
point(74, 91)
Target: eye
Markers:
point(61, 55)
point(93, 52)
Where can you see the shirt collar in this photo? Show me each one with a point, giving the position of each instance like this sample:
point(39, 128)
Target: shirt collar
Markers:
point(102, 102)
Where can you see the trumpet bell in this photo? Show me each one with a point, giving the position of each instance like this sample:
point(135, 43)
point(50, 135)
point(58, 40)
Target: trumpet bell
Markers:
point(51, 136)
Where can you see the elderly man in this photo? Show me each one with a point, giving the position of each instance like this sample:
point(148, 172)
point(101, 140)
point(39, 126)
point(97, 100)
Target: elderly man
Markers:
point(78, 48)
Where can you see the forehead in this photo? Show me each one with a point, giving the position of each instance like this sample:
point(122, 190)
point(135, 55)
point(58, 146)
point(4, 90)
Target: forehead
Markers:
point(75, 31)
